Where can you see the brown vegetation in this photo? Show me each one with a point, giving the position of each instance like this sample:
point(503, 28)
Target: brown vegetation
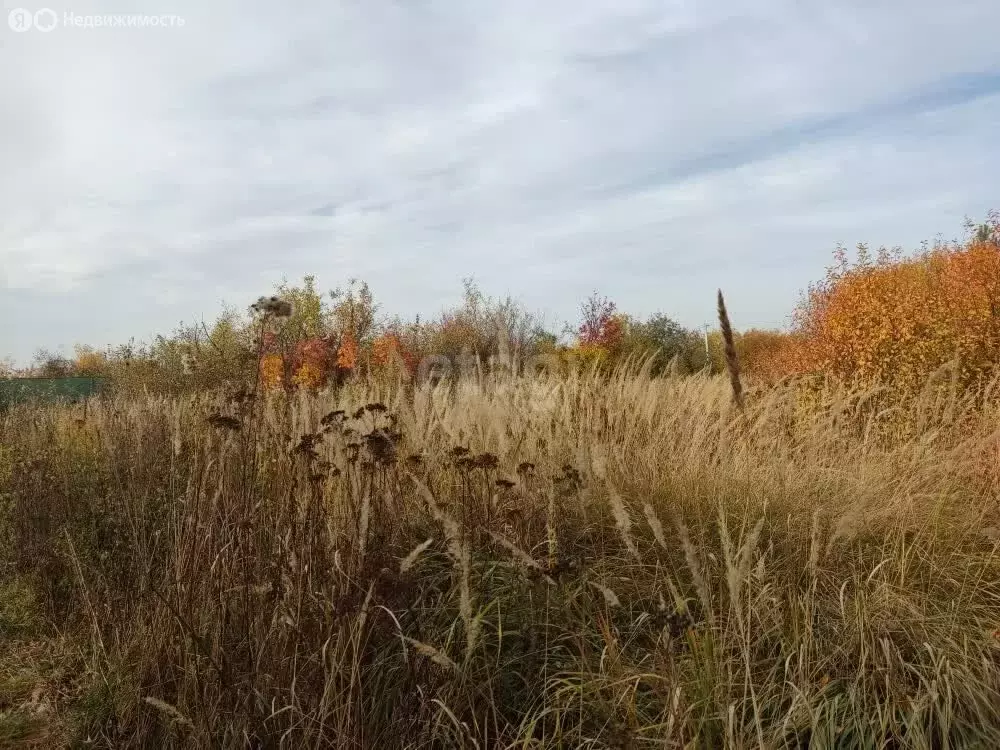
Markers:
point(573, 561)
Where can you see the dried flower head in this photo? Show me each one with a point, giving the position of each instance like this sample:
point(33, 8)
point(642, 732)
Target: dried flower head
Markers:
point(485, 461)
point(353, 450)
point(307, 445)
point(570, 476)
point(223, 422)
point(381, 446)
point(333, 417)
point(273, 306)
point(241, 397)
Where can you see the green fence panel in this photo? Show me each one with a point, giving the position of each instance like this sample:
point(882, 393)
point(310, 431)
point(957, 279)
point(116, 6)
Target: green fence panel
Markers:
point(48, 390)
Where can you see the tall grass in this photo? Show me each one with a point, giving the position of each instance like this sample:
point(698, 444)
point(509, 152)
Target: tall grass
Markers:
point(568, 562)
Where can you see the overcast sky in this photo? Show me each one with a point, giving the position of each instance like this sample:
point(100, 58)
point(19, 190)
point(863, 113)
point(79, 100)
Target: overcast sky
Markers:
point(650, 149)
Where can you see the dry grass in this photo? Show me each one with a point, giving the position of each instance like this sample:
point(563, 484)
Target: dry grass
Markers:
point(586, 562)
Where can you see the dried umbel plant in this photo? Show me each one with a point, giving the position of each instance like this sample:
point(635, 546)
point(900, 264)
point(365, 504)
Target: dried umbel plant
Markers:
point(224, 422)
point(273, 306)
point(732, 362)
point(381, 444)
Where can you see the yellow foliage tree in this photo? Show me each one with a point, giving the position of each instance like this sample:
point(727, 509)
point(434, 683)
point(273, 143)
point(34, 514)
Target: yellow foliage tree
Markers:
point(89, 362)
point(272, 370)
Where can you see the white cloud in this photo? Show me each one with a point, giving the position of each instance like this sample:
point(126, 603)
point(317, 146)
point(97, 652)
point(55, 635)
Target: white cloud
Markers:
point(653, 150)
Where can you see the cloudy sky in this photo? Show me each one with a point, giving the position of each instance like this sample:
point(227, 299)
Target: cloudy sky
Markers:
point(650, 149)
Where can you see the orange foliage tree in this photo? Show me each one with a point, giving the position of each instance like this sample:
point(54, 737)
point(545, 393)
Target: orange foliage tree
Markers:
point(764, 353)
point(347, 352)
point(309, 364)
point(312, 363)
point(388, 351)
point(895, 320)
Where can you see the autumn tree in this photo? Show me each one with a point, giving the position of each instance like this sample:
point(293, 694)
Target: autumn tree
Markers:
point(764, 354)
point(88, 362)
point(598, 324)
point(310, 316)
point(354, 311)
point(663, 339)
point(894, 319)
point(48, 364)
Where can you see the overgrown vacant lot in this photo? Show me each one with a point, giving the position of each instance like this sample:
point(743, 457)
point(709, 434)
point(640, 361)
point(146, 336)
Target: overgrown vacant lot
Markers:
point(582, 562)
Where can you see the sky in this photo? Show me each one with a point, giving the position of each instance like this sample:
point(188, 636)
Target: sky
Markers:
point(650, 150)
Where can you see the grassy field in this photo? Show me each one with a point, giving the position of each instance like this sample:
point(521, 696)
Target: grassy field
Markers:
point(574, 562)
